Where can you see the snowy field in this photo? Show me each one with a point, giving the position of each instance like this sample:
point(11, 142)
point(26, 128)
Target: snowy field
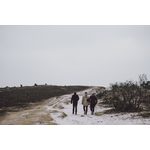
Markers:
point(105, 119)
point(58, 110)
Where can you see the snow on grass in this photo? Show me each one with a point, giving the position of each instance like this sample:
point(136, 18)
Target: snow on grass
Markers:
point(58, 110)
point(100, 118)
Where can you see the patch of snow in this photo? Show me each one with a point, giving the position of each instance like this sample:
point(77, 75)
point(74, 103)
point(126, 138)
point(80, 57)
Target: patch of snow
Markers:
point(63, 106)
point(105, 119)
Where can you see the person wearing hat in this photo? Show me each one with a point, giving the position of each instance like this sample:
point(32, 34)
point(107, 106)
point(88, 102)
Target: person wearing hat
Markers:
point(85, 103)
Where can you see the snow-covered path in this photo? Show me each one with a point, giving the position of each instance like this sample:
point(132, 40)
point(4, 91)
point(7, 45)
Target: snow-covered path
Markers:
point(58, 110)
point(105, 119)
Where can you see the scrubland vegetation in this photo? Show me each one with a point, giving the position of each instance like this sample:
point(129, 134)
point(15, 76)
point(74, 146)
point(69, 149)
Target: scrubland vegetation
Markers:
point(11, 99)
point(129, 96)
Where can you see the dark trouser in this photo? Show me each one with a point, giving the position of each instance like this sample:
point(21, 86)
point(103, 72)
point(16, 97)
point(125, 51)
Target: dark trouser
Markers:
point(92, 106)
point(75, 108)
point(85, 108)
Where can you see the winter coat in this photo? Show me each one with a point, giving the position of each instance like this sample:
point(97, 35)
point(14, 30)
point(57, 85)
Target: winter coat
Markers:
point(84, 100)
point(93, 100)
point(74, 99)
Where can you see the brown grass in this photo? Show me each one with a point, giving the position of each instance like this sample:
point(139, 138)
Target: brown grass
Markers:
point(67, 102)
point(109, 111)
point(98, 113)
point(58, 106)
point(63, 115)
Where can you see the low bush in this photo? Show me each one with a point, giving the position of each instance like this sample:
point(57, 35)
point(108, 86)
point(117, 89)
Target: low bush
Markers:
point(145, 115)
point(128, 96)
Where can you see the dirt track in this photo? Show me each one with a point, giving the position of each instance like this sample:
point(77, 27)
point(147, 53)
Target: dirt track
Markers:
point(58, 110)
point(38, 113)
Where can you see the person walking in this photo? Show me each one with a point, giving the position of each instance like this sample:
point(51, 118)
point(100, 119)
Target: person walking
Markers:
point(85, 103)
point(74, 100)
point(93, 102)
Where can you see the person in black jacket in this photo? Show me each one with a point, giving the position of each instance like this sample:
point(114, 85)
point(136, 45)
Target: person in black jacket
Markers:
point(93, 102)
point(74, 100)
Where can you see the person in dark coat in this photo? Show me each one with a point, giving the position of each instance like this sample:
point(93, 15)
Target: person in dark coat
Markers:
point(74, 100)
point(93, 102)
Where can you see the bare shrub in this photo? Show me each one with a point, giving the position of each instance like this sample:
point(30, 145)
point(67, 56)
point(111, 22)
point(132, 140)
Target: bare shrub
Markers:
point(128, 96)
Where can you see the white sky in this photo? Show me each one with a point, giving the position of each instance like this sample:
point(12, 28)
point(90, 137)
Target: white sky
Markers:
point(73, 55)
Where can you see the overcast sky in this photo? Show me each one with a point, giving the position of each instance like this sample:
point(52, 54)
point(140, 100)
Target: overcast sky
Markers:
point(73, 55)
